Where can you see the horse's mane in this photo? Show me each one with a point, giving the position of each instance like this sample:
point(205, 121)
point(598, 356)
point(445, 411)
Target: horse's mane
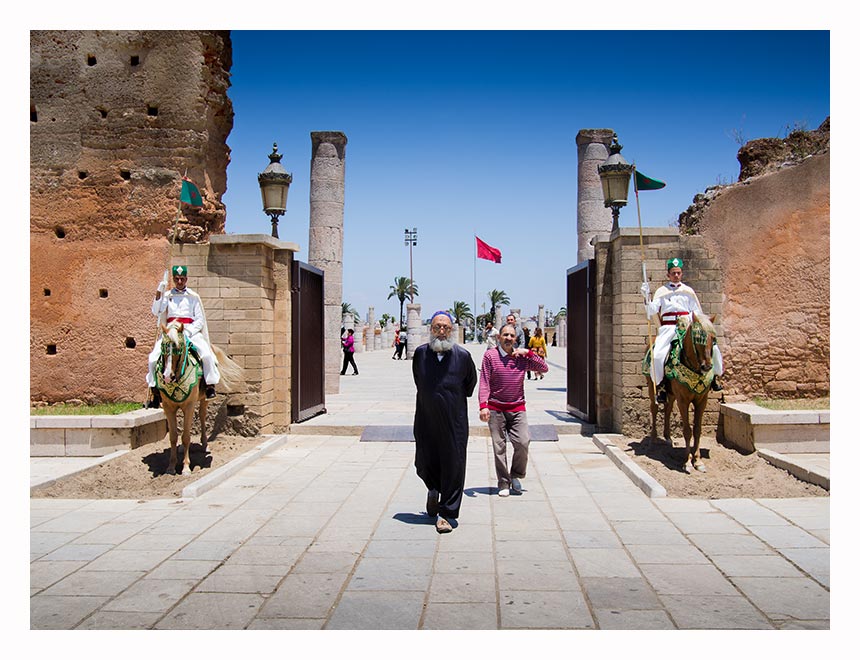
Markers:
point(706, 323)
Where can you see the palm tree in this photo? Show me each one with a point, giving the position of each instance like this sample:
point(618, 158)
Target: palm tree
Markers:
point(402, 287)
point(497, 298)
point(461, 312)
point(346, 308)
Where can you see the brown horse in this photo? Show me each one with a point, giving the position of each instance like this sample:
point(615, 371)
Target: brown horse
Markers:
point(180, 380)
point(690, 373)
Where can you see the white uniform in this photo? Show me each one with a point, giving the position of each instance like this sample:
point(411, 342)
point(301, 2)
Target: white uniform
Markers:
point(671, 301)
point(184, 305)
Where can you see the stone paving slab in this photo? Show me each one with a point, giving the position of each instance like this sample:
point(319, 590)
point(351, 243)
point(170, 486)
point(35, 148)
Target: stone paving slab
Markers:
point(326, 532)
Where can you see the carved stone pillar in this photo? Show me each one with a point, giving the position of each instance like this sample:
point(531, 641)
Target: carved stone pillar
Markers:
point(325, 240)
point(413, 325)
point(592, 217)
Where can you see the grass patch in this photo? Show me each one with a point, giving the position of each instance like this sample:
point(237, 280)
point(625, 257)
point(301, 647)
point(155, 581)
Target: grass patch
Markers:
point(98, 409)
point(795, 404)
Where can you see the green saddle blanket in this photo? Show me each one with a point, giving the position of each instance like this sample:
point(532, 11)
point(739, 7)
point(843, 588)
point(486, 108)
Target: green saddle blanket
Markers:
point(675, 369)
point(190, 373)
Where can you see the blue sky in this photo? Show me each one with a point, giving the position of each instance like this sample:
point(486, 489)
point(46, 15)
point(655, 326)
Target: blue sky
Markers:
point(459, 133)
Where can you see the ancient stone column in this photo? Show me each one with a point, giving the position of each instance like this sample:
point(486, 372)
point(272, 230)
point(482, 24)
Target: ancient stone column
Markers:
point(455, 334)
point(562, 332)
point(592, 218)
point(371, 324)
point(325, 240)
point(500, 320)
point(413, 325)
point(541, 321)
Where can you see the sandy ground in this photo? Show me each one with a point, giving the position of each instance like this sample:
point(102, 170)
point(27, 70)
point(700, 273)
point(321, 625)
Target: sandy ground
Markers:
point(141, 473)
point(729, 473)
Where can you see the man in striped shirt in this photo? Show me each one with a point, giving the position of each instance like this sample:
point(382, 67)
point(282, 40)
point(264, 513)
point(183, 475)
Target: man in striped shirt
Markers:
point(503, 405)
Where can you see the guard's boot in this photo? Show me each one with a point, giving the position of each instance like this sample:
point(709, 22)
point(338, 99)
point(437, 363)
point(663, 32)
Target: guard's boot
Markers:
point(155, 402)
point(210, 391)
point(661, 392)
point(716, 386)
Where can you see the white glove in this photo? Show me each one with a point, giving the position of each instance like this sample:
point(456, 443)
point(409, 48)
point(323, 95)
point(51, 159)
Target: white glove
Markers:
point(162, 285)
point(646, 291)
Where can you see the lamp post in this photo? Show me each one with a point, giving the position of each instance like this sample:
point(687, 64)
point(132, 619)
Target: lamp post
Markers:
point(411, 239)
point(274, 185)
point(615, 177)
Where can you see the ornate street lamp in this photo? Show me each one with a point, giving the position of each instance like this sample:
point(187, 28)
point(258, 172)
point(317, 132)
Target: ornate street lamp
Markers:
point(615, 177)
point(410, 239)
point(274, 185)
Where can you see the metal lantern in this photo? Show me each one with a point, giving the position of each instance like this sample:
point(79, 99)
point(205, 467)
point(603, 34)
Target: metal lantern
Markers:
point(615, 177)
point(274, 185)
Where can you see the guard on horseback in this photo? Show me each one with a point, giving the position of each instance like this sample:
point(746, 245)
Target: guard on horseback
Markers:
point(183, 305)
point(672, 301)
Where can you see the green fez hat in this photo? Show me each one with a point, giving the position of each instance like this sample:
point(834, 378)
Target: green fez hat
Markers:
point(181, 271)
point(674, 262)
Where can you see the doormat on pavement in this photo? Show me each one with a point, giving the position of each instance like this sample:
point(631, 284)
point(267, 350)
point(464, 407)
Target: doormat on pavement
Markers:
point(543, 433)
point(387, 434)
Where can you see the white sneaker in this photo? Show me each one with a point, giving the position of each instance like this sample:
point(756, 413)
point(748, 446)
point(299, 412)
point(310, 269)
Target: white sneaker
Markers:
point(516, 486)
point(504, 492)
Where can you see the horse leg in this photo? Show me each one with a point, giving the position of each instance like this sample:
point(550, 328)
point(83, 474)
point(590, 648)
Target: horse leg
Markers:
point(204, 404)
point(698, 414)
point(170, 413)
point(186, 437)
point(667, 415)
point(654, 408)
point(684, 409)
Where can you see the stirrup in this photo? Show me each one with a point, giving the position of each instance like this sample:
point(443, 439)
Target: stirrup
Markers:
point(210, 391)
point(715, 386)
point(661, 393)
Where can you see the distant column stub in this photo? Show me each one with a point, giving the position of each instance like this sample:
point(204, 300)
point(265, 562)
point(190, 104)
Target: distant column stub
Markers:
point(325, 239)
point(592, 217)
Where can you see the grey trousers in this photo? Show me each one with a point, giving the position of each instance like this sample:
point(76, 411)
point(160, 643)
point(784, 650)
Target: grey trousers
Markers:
point(511, 426)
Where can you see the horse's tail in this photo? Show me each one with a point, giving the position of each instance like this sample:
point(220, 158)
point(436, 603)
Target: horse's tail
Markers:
point(231, 373)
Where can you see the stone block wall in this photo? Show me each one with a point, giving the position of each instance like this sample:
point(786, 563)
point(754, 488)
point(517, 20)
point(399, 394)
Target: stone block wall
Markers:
point(244, 283)
point(621, 391)
point(116, 119)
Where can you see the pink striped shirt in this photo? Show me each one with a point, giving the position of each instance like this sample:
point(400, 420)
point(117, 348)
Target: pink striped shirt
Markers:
point(502, 376)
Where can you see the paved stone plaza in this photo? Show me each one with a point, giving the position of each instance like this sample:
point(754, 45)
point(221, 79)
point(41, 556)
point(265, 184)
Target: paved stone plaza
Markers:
point(327, 532)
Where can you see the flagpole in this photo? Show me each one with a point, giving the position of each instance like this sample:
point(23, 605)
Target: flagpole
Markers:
point(644, 274)
point(475, 290)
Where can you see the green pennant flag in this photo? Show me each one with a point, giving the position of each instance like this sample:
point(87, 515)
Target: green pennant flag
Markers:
point(647, 183)
point(190, 194)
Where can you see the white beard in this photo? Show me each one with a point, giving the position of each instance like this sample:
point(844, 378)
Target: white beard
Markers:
point(439, 345)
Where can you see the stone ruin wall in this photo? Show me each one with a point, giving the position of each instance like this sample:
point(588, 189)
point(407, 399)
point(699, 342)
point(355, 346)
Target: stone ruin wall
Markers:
point(770, 233)
point(116, 119)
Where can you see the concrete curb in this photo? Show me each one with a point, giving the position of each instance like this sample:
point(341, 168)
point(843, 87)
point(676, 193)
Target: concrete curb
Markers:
point(638, 476)
point(808, 474)
point(223, 473)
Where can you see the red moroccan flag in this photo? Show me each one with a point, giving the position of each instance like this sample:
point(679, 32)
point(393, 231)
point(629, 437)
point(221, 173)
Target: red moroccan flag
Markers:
point(488, 252)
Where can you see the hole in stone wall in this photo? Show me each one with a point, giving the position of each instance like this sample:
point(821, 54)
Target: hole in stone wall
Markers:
point(34, 116)
point(83, 174)
point(103, 113)
point(59, 232)
point(125, 174)
point(51, 349)
point(130, 342)
point(91, 60)
point(47, 292)
point(135, 60)
point(236, 410)
point(152, 110)
point(103, 293)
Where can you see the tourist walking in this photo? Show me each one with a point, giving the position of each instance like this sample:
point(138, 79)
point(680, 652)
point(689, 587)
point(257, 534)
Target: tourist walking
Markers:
point(502, 403)
point(538, 345)
point(492, 335)
point(348, 343)
point(445, 376)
